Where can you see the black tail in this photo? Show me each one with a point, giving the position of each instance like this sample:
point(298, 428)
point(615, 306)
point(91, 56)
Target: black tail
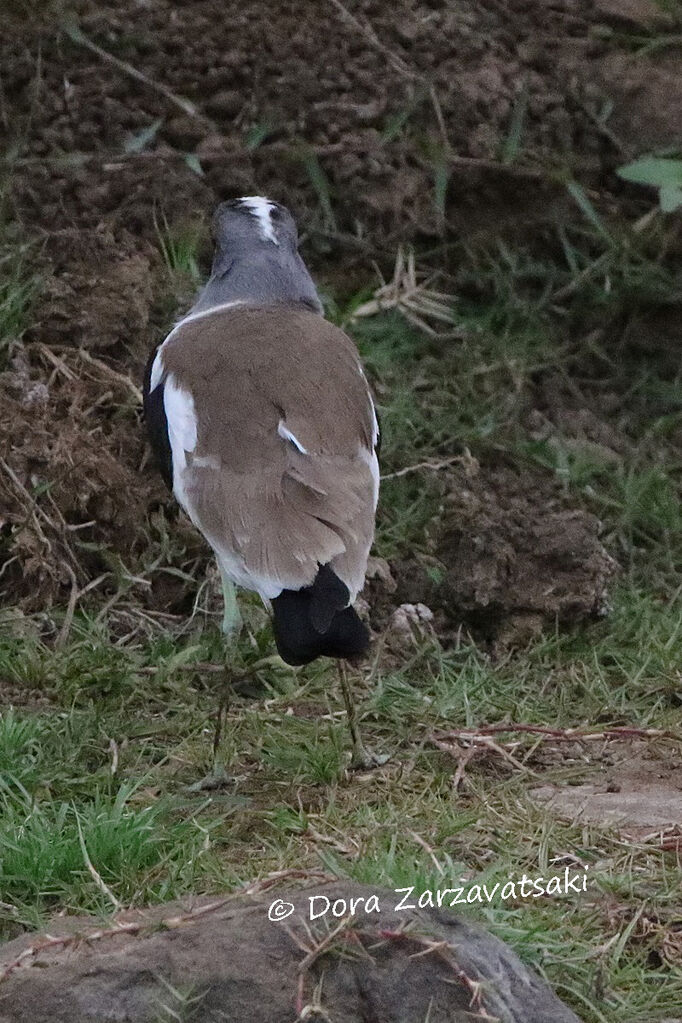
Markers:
point(316, 622)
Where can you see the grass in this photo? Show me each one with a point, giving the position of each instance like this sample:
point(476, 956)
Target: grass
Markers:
point(18, 286)
point(102, 755)
point(119, 762)
point(179, 252)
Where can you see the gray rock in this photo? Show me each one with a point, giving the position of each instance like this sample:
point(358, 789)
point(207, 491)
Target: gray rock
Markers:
point(223, 959)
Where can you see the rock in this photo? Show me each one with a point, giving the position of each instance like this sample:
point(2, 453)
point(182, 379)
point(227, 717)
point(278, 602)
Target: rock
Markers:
point(650, 808)
point(380, 570)
point(636, 793)
point(236, 964)
point(410, 623)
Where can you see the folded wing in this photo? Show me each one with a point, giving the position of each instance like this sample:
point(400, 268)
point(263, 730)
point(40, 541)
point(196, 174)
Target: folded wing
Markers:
point(272, 431)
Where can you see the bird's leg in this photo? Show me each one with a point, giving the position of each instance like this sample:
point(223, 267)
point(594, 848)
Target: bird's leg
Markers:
point(232, 623)
point(362, 757)
point(232, 619)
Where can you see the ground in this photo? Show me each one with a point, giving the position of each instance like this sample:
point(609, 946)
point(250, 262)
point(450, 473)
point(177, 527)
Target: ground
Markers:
point(517, 305)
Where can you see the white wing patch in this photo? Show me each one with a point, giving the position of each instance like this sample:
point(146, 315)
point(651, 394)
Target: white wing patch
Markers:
point(286, 434)
point(375, 421)
point(157, 370)
point(182, 432)
point(206, 462)
point(262, 209)
point(370, 457)
point(375, 425)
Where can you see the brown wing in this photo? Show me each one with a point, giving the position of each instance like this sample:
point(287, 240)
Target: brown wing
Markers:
point(283, 476)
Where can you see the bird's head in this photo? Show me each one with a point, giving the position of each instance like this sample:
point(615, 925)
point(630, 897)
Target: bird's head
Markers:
point(256, 256)
point(252, 223)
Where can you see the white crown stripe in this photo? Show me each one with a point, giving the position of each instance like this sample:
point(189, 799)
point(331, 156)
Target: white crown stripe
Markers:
point(262, 209)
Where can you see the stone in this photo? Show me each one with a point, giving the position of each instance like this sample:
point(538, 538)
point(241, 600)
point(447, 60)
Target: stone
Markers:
point(240, 958)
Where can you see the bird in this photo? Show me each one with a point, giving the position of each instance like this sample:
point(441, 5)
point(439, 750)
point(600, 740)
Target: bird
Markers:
point(263, 426)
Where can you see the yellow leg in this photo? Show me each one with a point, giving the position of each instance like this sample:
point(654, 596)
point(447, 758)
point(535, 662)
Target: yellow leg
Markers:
point(232, 619)
point(362, 757)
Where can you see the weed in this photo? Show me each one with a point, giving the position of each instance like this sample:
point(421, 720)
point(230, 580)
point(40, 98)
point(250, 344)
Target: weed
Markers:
point(179, 250)
point(322, 188)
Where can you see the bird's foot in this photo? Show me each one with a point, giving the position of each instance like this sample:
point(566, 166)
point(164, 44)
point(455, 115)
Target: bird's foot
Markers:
point(217, 778)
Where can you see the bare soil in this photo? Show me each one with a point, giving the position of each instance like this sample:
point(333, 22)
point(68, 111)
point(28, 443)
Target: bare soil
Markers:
point(637, 790)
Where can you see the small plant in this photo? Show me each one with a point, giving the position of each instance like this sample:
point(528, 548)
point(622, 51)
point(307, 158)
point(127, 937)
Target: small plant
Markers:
point(320, 182)
point(17, 291)
point(179, 249)
point(183, 1004)
point(663, 173)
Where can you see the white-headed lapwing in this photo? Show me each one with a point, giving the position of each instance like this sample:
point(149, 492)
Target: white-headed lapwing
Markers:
point(263, 425)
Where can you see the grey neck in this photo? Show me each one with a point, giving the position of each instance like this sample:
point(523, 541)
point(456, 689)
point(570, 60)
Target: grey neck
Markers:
point(266, 275)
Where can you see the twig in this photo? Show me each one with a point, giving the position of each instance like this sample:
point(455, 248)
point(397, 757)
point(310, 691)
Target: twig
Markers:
point(120, 378)
point(54, 359)
point(435, 102)
point(562, 734)
point(60, 642)
point(287, 875)
point(64, 940)
point(427, 848)
point(370, 35)
point(487, 743)
point(316, 952)
point(412, 294)
point(76, 36)
point(462, 763)
point(95, 875)
point(209, 668)
point(431, 465)
point(443, 950)
point(137, 926)
point(32, 507)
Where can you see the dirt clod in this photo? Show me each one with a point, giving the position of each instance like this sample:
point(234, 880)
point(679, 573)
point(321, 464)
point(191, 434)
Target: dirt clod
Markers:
point(97, 293)
point(509, 550)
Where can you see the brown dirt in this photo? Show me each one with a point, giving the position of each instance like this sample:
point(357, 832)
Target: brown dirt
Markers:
point(381, 98)
point(638, 790)
point(317, 81)
point(236, 964)
point(507, 556)
point(310, 75)
point(97, 291)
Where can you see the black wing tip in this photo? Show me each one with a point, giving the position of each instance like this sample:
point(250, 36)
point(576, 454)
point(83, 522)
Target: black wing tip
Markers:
point(317, 621)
